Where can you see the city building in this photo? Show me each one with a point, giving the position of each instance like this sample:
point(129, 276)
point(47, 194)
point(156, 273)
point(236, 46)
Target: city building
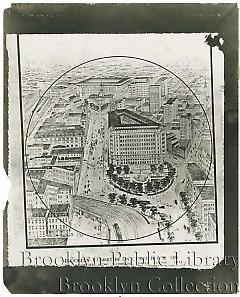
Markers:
point(74, 118)
point(64, 196)
point(204, 208)
point(158, 89)
point(37, 150)
point(204, 157)
point(46, 192)
point(37, 223)
point(64, 153)
point(134, 139)
point(58, 220)
point(71, 136)
point(60, 175)
point(170, 110)
point(139, 87)
point(211, 227)
point(195, 177)
point(40, 162)
point(111, 85)
point(186, 126)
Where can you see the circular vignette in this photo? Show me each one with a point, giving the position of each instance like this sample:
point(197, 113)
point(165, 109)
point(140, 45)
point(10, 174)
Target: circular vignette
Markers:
point(97, 59)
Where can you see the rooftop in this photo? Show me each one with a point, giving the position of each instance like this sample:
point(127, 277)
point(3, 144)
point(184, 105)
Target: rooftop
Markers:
point(65, 151)
point(35, 173)
point(126, 118)
point(197, 174)
point(184, 143)
point(59, 208)
point(160, 80)
point(44, 183)
point(170, 101)
point(61, 131)
point(206, 192)
point(105, 80)
point(37, 213)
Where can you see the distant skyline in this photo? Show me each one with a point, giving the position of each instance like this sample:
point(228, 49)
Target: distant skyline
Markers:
point(47, 50)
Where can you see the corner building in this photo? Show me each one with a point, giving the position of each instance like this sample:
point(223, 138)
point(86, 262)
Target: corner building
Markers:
point(135, 140)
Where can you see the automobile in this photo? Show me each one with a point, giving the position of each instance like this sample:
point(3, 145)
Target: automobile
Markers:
point(183, 181)
point(162, 206)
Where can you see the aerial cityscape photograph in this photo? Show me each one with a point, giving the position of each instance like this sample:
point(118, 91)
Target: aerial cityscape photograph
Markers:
point(118, 147)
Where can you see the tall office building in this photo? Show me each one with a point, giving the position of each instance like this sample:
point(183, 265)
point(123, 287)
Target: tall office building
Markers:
point(186, 126)
point(170, 110)
point(134, 139)
point(158, 89)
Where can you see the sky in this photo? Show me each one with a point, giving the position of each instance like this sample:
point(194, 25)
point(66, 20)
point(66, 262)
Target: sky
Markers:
point(72, 49)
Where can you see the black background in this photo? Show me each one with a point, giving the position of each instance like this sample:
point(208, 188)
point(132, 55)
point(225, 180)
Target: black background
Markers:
point(135, 18)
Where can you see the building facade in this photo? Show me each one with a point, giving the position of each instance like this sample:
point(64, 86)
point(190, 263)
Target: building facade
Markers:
point(135, 140)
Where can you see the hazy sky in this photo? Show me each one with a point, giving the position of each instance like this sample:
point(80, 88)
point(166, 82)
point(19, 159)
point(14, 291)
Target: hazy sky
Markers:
point(72, 49)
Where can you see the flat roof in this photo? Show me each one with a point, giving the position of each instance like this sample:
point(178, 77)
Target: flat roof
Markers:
point(73, 150)
point(207, 192)
point(170, 101)
point(197, 174)
point(104, 80)
point(126, 118)
point(59, 208)
point(37, 213)
point(44, 183)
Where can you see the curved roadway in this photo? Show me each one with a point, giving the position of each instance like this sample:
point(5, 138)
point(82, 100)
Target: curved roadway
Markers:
point(131, 224)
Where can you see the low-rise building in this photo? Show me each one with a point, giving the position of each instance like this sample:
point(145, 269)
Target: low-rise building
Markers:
point(195, 177)
point(60, 175)
point(36, 223)
point(37, 150)
point(204, 208)
point(58, 220)
point(71, 136)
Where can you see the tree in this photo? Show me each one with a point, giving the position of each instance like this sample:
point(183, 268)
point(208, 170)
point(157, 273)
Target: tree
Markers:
point(126, 169)
point(120, 181)
point(149, 186)
point(133, 201)
point(183, 196)
point(119, 169)
point(198, 235)
point(123, 199)
point(167, 180)
point(164, 182)
point(153, 168)
point(157, 184)
point(126, 184)
point(112, 197)
point(109, 173)
point(133, 185)
point(160, 168)
point(171, 236)
point(143, 207)
point(114, 177)
point(153, 210)
point(167, 224)
point(111, 167)
point(193, 222)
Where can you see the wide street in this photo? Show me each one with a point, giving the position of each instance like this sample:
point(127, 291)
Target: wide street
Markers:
point(91, 181)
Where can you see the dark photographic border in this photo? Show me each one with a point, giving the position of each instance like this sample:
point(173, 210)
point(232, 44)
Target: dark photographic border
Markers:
point(135, 18)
